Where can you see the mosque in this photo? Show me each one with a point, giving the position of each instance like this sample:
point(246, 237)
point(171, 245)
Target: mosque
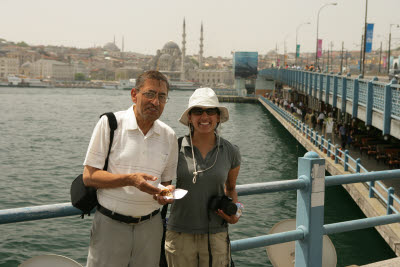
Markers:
point(172, 61)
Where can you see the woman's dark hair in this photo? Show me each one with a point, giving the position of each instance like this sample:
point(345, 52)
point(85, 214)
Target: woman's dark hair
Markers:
point(152, 75)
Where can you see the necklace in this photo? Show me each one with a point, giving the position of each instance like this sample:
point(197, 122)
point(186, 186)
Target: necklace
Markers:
point(196, 172)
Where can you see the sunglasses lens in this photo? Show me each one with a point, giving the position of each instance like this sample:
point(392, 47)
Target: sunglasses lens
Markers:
point(211, 111)
point(199, 111)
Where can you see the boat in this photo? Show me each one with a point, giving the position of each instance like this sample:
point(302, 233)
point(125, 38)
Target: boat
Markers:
point(21, 81)
point(183, 85)
point(127, 84)
point(110, 85)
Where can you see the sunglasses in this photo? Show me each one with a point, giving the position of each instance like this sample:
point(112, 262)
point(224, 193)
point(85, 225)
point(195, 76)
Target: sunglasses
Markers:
point(200, 111)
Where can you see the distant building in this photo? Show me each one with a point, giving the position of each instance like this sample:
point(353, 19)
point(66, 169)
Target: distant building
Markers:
point(214, 78)
point(80, 67)
point(127, 73)
point(52, 69)
point(8, 66)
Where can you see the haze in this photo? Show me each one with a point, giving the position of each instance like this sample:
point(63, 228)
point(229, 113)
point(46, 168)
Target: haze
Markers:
point(253, 25)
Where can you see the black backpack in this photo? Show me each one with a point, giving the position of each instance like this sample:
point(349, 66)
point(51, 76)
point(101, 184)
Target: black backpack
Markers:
point(85, 197)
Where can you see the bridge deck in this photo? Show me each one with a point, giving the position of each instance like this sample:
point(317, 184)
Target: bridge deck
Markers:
point(371, 207)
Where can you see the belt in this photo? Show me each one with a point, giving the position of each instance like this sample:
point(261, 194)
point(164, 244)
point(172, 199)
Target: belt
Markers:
point(124, 218)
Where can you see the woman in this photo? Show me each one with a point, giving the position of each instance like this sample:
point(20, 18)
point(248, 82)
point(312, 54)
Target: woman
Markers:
point(208, 166)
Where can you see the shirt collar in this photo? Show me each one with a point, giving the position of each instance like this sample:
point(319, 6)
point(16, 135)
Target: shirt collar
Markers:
point(186, 141)
point(132, 122)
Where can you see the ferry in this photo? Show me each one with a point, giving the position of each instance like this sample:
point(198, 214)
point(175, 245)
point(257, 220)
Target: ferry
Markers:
point(20, 81)
point(183, 85)
point(127, 84)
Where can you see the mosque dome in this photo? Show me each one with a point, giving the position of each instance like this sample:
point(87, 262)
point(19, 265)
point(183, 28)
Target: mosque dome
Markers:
point(171, 45)
point(26, 65)
point(111, 47)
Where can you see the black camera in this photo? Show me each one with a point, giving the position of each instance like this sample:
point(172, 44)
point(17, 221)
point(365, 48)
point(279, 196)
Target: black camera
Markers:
point(223, 203)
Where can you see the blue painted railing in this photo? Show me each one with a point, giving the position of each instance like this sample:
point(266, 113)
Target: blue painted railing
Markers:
point(373, 95)
point(310, 228)
point(341, 157)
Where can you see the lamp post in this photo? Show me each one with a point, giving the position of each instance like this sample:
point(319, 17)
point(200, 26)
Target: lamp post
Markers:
point(297, 31)
point(364, 41)
point(390, 39)
point(316, 49)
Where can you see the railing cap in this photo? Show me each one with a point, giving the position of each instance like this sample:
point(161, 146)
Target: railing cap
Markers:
point(311, 155)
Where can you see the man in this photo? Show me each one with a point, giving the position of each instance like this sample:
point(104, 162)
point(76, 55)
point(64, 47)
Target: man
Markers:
point(127, 228)
point(320, 121)
point(329, 128)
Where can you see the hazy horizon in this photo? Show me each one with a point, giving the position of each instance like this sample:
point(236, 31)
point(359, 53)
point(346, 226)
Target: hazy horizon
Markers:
point(228, 25)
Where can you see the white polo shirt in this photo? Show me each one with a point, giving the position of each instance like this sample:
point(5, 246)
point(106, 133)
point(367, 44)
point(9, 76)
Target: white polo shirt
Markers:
point(155, 154)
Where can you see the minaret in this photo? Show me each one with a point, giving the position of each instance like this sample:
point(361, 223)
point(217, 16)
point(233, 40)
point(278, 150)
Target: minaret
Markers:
point(201, 47)
point(183, 51)
point(123, 44)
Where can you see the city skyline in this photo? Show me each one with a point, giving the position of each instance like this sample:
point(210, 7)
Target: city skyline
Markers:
point(257, 25)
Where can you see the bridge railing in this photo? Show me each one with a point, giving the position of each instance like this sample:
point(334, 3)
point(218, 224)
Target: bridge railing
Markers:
point(340, 156)
point(373, 95)
point(310, 185)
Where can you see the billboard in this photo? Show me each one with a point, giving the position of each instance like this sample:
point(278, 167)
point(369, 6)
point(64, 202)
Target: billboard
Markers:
point(245, 64)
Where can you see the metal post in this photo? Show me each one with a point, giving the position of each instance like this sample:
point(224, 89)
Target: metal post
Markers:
point(380, 58)
point(371, 189)
point(310, 211)
point(344, 93)
point(361, 51)
point(390, 201)
point(358, 163)
point(334, 94)
point(328, 86)
point(322, 143)
point(387, 109)
point(336, 155)
point(365, 38)
point(328, 153)
point(354, 112)
point(370, 102)
point(341, 59)
point(346, 160)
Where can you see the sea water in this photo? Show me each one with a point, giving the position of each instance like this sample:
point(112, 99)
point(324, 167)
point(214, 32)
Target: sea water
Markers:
point(43, 140)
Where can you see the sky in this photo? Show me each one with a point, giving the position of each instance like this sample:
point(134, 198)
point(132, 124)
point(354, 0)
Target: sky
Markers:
point(246, 25)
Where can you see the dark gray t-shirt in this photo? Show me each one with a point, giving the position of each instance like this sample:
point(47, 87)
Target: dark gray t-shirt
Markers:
point(191, 214)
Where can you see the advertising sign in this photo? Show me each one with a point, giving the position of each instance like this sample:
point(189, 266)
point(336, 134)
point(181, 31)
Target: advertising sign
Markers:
point(319, 54)
point(297, 51)
point(245, 64)
point(370, 34)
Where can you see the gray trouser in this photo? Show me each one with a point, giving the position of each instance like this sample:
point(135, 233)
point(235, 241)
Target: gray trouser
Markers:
point(113, 243)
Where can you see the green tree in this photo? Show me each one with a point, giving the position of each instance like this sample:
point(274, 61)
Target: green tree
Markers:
point(80, 77)
point(22, 44)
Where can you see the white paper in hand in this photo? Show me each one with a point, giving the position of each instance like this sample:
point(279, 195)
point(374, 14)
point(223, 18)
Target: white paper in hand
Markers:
point(176, 194)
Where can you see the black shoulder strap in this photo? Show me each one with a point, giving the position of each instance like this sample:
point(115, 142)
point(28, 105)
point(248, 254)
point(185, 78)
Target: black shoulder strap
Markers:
point(180, 143)
point(112, 122)
point(165, 207)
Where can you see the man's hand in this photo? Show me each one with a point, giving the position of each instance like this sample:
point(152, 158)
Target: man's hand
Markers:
point(230, 219)
point(161, 200)
point(138, 180)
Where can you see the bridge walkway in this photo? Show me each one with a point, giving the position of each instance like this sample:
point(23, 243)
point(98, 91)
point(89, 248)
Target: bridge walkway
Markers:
point(371, 206)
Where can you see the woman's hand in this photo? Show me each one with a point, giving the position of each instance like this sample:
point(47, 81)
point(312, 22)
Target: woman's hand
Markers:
point(232, 219)
point(161, 200)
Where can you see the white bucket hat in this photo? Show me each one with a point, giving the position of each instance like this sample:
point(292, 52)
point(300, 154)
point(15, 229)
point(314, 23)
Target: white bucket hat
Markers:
point(204, 98)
